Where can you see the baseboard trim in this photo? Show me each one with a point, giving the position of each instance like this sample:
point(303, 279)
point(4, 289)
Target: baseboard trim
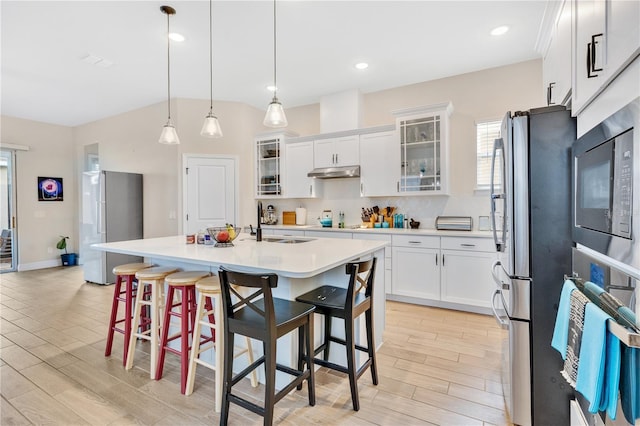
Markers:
point(51, 263)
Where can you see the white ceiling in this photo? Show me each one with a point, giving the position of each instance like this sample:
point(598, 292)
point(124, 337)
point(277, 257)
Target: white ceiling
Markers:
point(404, 42)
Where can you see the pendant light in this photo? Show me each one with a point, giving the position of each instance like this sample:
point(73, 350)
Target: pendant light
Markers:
point(169, 136)
point(211, 127)
point(275, 113)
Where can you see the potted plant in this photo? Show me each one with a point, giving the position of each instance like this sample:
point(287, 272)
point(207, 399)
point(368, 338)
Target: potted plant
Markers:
point(68, 259)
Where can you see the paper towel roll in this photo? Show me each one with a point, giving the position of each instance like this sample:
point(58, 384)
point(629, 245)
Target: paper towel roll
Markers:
point(301, 216)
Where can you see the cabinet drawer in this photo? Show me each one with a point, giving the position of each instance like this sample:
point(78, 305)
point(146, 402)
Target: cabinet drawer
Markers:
point(416, 241)
point(474, 244)
point(327, 234)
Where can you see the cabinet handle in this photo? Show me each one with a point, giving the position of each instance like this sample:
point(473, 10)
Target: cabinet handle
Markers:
point(310, 189)
point(436, 259)
point(468, 245)
point(398, 186)
point(336, 158)
point(361, 189)
point(549, 96)
point(591, 57)
point(415, 242)
point(443, 260)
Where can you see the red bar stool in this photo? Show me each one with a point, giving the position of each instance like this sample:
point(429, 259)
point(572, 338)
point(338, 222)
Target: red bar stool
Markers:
point(208, 315)
point(185, 284)
point(153, 279)
point(127, 274)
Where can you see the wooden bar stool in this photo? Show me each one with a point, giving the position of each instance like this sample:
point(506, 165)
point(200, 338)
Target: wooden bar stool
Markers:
point(152, 278)
point(185, 284)
point(127, 274)
point(210, 316)
point(348, 303)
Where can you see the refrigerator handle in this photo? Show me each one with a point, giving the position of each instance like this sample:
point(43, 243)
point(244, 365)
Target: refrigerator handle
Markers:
point(498, 145)
point(99, 217)
point(499, 283)
point(503, 322)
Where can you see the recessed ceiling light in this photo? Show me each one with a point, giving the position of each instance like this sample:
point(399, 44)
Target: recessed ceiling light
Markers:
point(272, 88)
point(361, 65)
point(176, 37)
point(499, 30)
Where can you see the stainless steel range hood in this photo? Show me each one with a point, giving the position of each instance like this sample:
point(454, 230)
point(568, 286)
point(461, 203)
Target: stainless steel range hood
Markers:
point(335, 172)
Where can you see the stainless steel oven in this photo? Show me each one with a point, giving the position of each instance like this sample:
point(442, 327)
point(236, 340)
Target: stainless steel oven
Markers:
point(606, 172)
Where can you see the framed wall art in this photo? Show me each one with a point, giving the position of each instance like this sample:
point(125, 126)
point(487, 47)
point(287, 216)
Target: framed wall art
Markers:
point(50, 189)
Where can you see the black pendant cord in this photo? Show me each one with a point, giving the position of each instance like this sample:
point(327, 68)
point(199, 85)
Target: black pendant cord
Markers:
point(211, 54)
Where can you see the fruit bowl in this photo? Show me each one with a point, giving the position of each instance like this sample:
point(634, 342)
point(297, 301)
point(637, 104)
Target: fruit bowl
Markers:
point(223, 235)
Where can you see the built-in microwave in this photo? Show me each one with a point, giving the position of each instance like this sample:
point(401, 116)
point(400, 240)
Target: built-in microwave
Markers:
point(606, 172)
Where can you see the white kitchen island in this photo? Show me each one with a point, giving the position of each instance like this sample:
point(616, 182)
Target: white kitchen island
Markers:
point(300, 266)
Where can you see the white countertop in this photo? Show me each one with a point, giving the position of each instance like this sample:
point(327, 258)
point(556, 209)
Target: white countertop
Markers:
point(301, 260)
point(387, 231)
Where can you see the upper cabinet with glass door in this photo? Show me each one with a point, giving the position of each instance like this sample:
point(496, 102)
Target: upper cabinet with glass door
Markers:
point(269, 164)
point(424, 149)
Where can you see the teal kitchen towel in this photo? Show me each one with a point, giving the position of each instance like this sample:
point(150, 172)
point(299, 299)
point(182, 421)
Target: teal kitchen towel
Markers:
point(597, 370)
point(630, 384)
point(561, 329)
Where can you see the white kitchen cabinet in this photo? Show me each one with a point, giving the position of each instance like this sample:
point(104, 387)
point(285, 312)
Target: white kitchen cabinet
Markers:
point(387, 255)
point(449, 272)
point(416, 266)
point(556, 64)
point(379, 164)
point(466, 278)
point(336, 152)
point(299, 162)
point(269, 163)
point(606, 38)
point(424, 149)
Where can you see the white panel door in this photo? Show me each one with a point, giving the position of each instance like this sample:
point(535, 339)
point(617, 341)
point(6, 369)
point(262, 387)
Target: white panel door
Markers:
point(210, 192)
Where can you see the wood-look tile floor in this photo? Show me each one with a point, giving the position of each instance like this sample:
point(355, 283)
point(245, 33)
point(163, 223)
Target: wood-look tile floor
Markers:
point(436, 367)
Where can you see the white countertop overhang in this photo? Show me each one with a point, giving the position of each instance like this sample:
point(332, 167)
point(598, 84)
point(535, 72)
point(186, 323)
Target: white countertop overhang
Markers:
point(301, 260)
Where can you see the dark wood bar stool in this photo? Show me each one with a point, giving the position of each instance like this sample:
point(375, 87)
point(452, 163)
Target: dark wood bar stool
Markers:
point(263, 317)
point(348, 303)
point(124, 274)
point(182, 284)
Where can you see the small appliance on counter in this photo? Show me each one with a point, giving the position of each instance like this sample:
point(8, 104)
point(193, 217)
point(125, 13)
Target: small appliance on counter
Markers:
point(454, 223)
point(326, 219)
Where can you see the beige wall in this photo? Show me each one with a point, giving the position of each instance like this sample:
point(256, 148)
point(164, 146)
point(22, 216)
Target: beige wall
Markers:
point(486, 94)
point(128, 142)
point(40, 223)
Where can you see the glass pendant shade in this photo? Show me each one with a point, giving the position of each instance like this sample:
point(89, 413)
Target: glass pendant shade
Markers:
point(169, 136)
point(211, 127)
point(275, 115)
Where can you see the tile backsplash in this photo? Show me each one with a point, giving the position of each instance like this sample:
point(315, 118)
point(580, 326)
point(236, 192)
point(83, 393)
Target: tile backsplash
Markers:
point(344, 195)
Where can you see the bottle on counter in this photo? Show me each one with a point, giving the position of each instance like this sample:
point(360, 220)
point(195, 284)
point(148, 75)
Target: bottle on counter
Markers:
point(341, 220)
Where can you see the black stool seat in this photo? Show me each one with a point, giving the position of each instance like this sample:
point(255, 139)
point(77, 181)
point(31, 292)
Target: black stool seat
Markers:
point(347, 303)
point(266, 318)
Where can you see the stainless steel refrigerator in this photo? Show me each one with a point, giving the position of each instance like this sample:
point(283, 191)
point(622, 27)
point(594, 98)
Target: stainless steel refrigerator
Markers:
point(531, 215)
point(111, 211)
